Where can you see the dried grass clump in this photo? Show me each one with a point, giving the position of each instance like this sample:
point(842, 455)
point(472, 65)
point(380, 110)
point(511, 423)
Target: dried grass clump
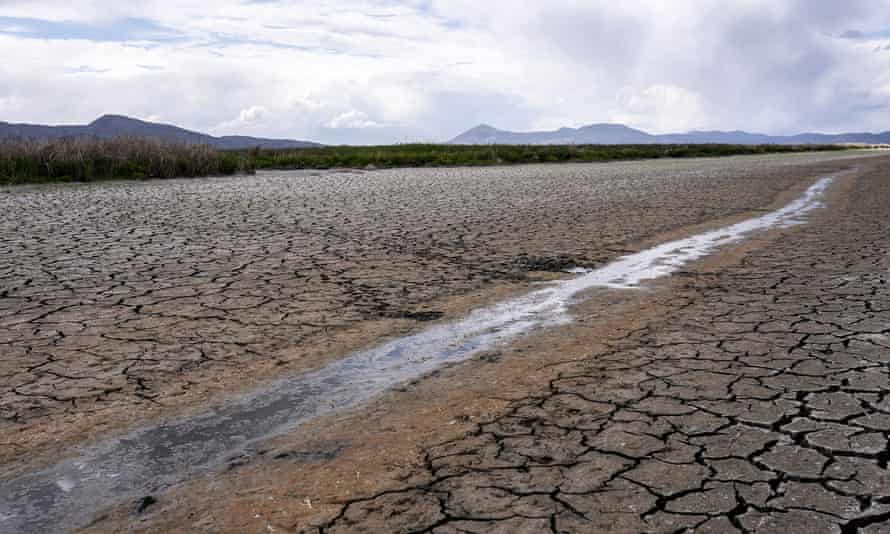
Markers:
point(89, 159)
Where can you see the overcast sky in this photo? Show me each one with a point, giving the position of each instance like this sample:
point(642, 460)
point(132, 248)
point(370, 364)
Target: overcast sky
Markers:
point(343, 71)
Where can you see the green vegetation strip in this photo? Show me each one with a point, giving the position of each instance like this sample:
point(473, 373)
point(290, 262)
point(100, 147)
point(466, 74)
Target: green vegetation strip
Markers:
point(84, 160)
point(456, 155)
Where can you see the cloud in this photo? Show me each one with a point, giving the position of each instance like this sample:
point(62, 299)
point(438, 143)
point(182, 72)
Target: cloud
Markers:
point(126, 29)
point(350, 71)
point(353, 119)
point(243, 120)
point(251, 114)
point(665, 108)
point(866, 35)
point(86, 69)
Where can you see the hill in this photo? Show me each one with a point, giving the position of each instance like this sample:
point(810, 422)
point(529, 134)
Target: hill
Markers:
point(113, 126)
point(619, 134)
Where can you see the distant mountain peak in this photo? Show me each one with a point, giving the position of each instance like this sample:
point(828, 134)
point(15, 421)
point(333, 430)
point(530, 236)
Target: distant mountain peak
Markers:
point(615, 134)
point(601, 133)
point(484, 128)
point(606, 125)
point(113, 116)
point(112, 125)
point(111, 119)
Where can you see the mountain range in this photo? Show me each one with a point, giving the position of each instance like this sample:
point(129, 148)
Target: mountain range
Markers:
point(109, 126)
point(615, 134)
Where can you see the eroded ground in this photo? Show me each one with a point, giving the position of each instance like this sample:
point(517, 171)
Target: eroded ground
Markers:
point(747, 394)
point(126, 301)
point(758, 402)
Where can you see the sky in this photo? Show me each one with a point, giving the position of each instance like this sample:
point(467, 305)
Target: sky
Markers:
point(386, 71)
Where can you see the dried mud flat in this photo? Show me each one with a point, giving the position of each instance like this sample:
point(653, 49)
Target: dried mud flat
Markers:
point(757, 403)
point(131, 301)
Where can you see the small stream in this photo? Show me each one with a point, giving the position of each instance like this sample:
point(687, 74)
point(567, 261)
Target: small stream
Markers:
point(148, 460)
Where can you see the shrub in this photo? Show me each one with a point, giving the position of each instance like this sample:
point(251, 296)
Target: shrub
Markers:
point(88, 159)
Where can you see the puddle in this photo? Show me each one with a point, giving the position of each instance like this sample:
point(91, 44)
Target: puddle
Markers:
point(146, 461)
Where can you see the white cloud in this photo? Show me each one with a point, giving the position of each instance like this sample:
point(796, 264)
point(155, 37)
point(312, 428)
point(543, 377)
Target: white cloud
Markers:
point(251, 114)
point(245, 117)
point(353, 119)
point(386, 71)
point(661, 108)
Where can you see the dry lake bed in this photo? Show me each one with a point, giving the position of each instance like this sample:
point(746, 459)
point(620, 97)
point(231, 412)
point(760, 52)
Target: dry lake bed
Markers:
point(407, 350)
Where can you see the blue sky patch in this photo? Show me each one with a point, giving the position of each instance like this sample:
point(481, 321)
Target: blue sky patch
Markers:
point(121, 30)
point(860, 34)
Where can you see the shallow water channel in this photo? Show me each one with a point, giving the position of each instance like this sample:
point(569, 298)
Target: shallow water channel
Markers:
point(145, 461)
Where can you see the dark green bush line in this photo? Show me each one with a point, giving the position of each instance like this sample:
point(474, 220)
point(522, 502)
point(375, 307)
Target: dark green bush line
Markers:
point(454, 155)
point(85, 160)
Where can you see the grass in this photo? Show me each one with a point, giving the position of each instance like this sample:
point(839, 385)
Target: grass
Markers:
point(84, 160)
point(454, 155)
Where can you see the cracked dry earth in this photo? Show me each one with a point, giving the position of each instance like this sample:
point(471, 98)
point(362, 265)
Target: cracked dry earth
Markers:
point(124, 301)
point(761, 403)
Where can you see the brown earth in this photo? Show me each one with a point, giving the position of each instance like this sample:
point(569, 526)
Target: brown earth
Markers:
point(125, 303)
point(746, 394)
